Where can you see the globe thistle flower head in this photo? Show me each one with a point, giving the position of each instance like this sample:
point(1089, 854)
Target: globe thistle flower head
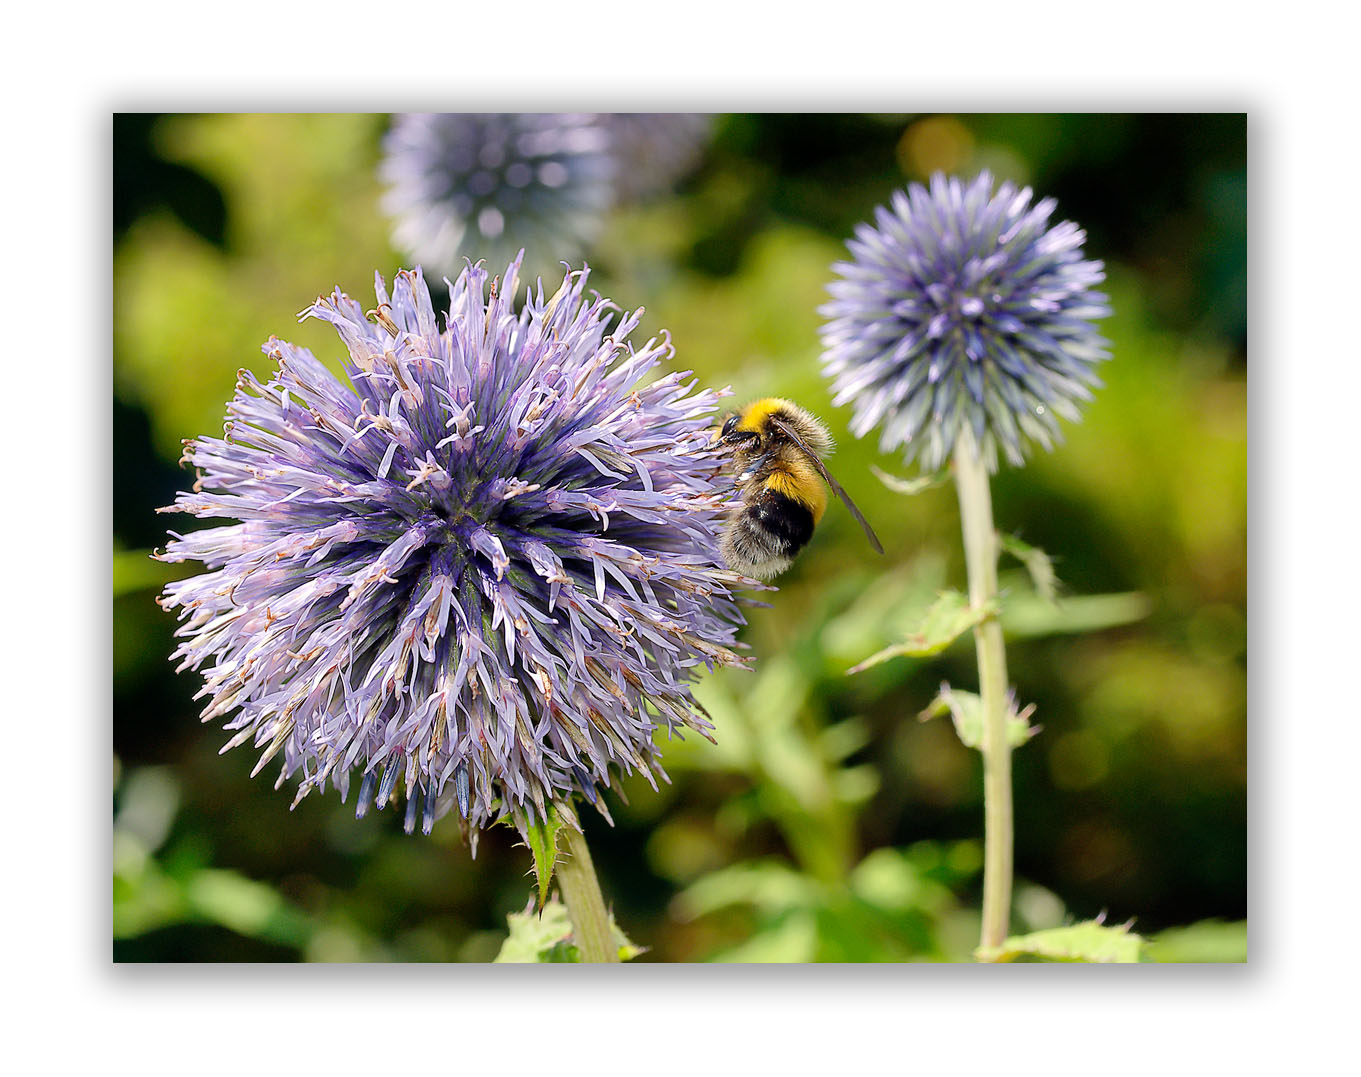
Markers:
point(485, 185)
point(964, 309)
point(653, 150)
point(479, 574)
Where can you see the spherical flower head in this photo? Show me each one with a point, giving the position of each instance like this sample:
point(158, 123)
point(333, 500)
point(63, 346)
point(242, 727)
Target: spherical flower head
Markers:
point(964, 310)
point(653, 150)
point(485, 185)
point(481, 570)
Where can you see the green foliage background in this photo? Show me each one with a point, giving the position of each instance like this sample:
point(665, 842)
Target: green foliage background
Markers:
point(828, 823)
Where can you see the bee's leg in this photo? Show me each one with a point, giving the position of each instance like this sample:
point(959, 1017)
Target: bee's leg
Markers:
point(755, 467)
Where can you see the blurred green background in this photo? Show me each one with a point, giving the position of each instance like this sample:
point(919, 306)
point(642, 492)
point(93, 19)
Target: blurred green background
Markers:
point(828, 823)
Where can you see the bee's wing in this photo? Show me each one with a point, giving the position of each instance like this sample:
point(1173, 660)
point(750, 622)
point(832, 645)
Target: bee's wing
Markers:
point(788, 431)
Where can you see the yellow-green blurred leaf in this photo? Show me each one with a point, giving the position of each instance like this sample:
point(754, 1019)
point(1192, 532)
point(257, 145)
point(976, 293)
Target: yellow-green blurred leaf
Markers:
point(1090, 941)
point(1206, 942)
point(966, 711)
point(245, 906)
point(144, 897)
point(908, 487)
point(148, 799)
point(889, 880)
point(1037, 563)
point(1028, 615)
point(791, 940)
point(766, 885)
point(534, 934)
point(546, 937)
point(948, 618)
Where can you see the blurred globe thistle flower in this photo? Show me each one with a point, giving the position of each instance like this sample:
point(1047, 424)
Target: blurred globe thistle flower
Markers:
point(964, 310)
point(485, 185)
point(653, 150)
point(482, 572)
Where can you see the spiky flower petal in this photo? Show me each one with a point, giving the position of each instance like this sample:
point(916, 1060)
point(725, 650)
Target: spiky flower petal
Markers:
point(485, 185)
point(964, 309)
point(481, 569)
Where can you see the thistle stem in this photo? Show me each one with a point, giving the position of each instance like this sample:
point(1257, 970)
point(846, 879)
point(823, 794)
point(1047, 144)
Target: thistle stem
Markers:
point(980, 554)
point(585, 904)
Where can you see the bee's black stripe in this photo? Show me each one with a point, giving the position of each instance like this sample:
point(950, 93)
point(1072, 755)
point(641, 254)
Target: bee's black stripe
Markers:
point(787, 522)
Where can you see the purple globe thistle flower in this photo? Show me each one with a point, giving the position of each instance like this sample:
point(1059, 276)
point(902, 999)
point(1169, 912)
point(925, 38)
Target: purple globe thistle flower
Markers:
point(653, 150)
point(964, 310)
point(485, 185)
point(483, 571)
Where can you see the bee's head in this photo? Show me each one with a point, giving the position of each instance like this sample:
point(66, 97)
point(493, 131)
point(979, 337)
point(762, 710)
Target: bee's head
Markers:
point(734, 438)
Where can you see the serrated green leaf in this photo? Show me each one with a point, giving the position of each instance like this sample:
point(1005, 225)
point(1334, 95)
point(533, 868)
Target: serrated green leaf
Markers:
point(949, 617)
point(546, 937)
point(966, 712)
point(1091, 941)
point(1038, 563)
point(908, 487)
point(541, 835)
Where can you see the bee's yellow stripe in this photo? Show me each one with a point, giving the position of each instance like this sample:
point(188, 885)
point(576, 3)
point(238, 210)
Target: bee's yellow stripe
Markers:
point(799, 482)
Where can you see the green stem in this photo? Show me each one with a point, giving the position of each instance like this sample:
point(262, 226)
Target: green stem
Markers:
point(585, 903)
point(980, 553)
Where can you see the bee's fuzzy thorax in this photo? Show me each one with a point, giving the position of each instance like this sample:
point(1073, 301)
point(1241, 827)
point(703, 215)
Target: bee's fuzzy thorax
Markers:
point(814, 434)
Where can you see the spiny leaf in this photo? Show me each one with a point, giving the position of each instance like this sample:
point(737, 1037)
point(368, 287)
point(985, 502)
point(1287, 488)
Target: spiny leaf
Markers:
point(966, 711)
point(541, 835)
point(909, 486)
point(1090, 941)
point(949, 617)
point(1038, 563)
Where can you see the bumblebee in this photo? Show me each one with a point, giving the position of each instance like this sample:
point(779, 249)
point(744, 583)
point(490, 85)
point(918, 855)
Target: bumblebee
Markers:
point(777, 450)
